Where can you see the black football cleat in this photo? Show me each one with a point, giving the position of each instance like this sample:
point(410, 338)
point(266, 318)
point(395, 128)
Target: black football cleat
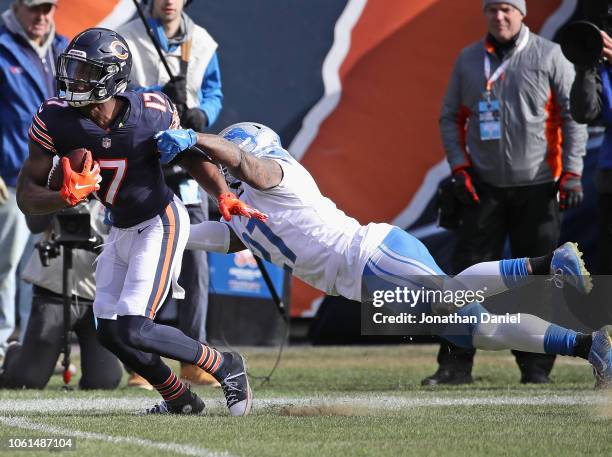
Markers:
point(448, 376)
point(232, 375)
point(187, 403)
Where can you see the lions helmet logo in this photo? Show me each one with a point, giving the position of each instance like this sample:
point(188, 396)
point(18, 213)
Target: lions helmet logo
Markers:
point(242, 138)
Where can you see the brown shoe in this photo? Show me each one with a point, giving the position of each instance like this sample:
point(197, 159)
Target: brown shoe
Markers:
point(195, 375)
point(135, 380)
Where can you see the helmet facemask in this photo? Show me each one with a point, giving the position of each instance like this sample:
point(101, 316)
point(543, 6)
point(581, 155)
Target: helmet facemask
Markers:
point(232, 182)
point(82, 81)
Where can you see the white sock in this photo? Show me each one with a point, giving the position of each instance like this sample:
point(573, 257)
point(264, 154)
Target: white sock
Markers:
point(528, 335)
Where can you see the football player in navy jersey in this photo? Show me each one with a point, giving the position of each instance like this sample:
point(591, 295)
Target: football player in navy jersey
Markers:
point(141, 259)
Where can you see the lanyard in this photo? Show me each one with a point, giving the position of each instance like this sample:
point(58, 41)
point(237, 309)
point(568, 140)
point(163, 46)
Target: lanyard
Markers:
point(500, 70)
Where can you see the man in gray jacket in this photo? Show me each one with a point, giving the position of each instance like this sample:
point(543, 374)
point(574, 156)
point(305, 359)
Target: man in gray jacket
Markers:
point(512, 147)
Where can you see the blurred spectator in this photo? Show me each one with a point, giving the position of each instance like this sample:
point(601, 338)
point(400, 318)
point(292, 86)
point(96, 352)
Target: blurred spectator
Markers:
point(591, 102)
point(511, 145)
point(31, 364)
point(196, 91)
point(29, 48)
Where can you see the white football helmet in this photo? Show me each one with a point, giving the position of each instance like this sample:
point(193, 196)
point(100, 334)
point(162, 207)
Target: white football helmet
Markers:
point(251, 137)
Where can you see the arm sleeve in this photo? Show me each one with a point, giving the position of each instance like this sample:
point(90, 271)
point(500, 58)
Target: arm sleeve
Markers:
point(211, 97)
point(574, 135)
point(209, 236)
point(453, 122)
point(586, 96)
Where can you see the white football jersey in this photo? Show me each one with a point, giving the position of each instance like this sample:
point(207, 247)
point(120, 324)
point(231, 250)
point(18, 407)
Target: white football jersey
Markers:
point(306, 233)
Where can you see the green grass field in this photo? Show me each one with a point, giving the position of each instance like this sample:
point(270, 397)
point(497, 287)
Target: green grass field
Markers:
point(335, 401)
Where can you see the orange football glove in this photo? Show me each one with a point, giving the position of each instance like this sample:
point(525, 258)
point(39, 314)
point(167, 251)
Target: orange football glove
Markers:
point(230, 205)
point(78, 186)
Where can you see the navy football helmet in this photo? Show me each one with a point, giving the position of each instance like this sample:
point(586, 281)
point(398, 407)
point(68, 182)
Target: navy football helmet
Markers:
point(95, 66)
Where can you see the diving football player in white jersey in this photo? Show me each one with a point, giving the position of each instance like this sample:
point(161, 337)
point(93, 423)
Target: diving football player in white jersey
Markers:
point(310, 237)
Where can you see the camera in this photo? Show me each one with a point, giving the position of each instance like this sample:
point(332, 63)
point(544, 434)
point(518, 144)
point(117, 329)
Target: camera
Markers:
point(71, 228)
point(72, 225)
point(581, 41)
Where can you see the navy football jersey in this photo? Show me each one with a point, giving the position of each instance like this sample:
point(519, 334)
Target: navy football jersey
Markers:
point(133, 185)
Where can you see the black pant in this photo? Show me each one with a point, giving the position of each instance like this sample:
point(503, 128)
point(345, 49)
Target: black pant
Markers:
point(529, 216)
point(31, 365)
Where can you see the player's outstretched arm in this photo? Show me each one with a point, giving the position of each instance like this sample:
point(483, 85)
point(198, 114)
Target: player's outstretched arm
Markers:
point(32, 195)
point(257, 172)
point(208, 176)
point(204, 172)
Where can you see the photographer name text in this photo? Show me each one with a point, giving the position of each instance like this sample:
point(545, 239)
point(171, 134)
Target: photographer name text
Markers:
point(425, 318)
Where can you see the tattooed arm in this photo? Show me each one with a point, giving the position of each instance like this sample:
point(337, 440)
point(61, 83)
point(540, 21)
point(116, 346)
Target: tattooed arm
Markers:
point(258, 173)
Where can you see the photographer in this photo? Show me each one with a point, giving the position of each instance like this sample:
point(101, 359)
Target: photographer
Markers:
point(591, 103)
point(31, 365)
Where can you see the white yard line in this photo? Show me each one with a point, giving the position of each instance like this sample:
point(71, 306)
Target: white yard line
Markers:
point(10, 407)
point(97, 405)
point(26, 424)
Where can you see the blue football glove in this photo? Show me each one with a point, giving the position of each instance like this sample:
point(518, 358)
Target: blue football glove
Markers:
point(172, 142)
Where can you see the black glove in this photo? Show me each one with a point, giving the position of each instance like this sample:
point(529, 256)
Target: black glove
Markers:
point(194, 118)
point(464, 187)
point(570, 191)
point(176, 89)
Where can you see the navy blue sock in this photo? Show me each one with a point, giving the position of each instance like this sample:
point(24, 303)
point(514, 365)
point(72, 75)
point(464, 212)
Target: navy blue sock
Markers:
point(172, 388)
point(209, 359)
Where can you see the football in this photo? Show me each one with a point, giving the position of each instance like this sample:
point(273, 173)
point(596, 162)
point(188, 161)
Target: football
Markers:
point(56, 175)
